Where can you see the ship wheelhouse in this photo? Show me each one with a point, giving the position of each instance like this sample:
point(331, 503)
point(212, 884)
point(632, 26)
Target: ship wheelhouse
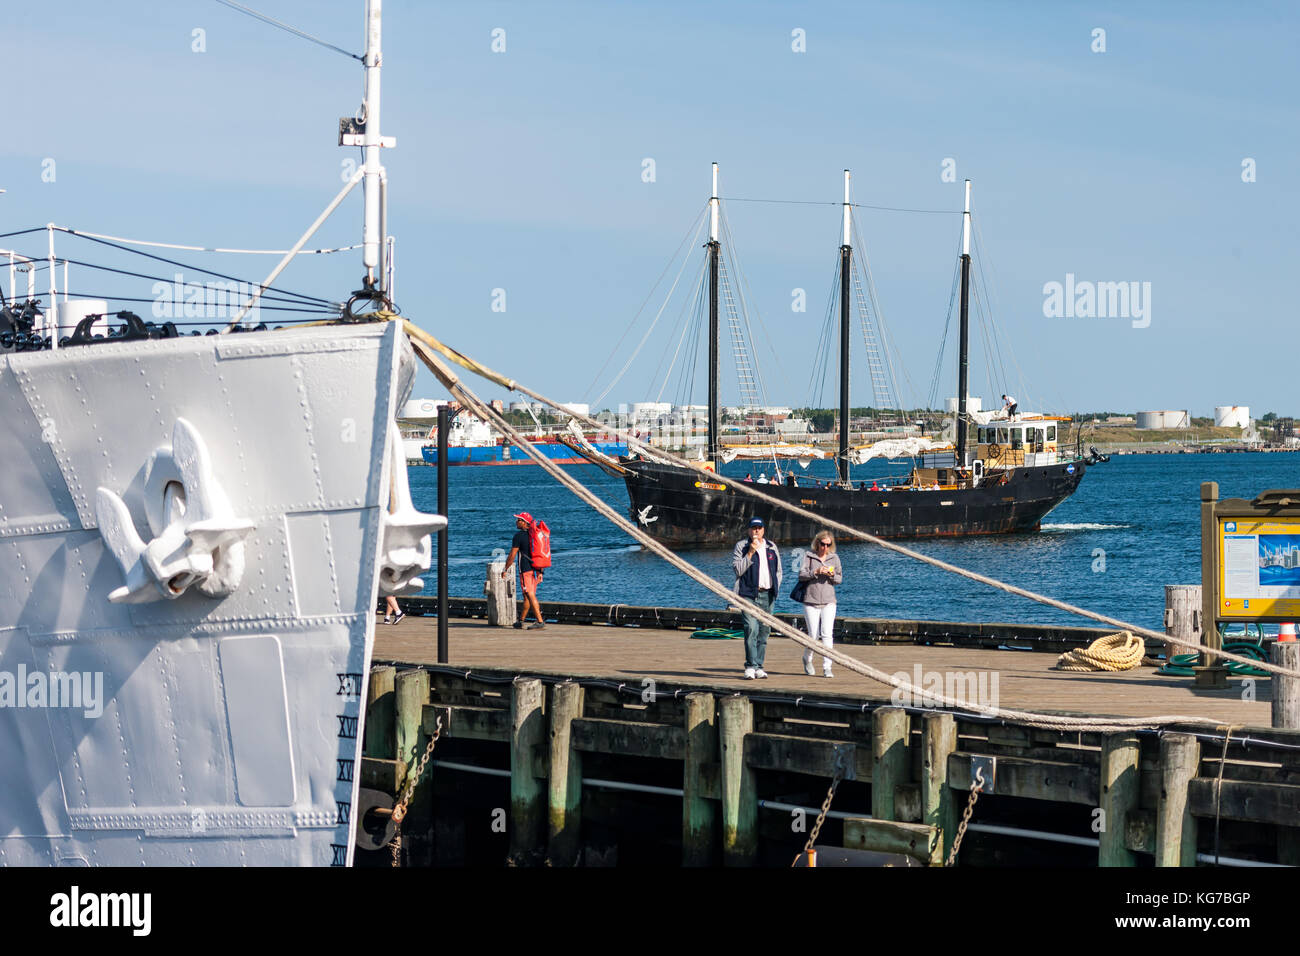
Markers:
point(1025, 441)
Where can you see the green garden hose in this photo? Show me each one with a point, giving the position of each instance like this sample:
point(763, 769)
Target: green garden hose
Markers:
point(1180, 665)
point(719, 634)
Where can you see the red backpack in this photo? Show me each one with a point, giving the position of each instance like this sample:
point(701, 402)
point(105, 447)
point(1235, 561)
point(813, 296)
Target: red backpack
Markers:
point(539, 543)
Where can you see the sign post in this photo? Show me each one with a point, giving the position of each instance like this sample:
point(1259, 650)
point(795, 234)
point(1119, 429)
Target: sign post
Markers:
point(1250, 566)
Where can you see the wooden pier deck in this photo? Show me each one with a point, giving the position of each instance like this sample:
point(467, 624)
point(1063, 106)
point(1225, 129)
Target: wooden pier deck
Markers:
point(1026, 680)
point(599, 743)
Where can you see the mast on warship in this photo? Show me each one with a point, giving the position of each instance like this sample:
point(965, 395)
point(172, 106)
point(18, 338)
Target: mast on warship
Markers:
point(363, 131)
point(715, 450)
point(963, 384)
point(846, 271)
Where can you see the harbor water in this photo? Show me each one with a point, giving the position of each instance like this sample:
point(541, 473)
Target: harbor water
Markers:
point(1133, 527)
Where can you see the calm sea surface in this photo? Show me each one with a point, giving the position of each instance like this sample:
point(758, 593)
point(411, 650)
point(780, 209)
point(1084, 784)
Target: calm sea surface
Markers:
point(1142, 511)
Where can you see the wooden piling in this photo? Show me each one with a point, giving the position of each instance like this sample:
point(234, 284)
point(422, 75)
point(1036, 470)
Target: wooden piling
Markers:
point(699, 813)
point(938, 739)
point(380, 713)
point(564, 789)
point(1183, 614)
point(527, 798)
point(1286, 690)
point(1180, 758)
point(889, 732)
point(500, 594)
point(1120, 787)
point(739, 795)
point(411, 694)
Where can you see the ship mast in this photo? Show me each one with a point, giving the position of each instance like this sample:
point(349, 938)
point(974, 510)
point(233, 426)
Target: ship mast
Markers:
point(963, 367)
point(715, 451)
point(846, 271)
point(373, 171)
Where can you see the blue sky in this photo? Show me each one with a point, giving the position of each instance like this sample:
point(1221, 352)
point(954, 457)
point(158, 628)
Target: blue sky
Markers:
point(522, 171)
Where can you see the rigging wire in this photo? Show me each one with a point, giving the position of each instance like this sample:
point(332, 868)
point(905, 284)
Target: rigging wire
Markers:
point(992, 283)
point(694, 228)
point(628, 364)
point(284, 26)
point(886, 341)
point(22, 232)
point(1001, 343)
point(744, 315)
point(123, 298)
point(684, 317)
point(686, 375)
point(855, 205)
point(183, 265)
point(986, 301)
point(933, 397)
point(817, 394)
point(187, 248)
point(312, 302)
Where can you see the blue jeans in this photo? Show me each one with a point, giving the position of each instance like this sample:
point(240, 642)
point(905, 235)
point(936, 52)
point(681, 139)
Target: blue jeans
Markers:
point(756, 632)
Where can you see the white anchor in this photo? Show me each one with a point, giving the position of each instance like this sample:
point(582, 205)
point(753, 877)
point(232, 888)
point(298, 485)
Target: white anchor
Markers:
point(643, 515)
point(197, 539)
point(406, 548)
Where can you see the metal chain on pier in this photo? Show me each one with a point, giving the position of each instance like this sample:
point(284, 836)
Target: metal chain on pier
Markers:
point(976, 787)
point(412, 778)
point(809, 847)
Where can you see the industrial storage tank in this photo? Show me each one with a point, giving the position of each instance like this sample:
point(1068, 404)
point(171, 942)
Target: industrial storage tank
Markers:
point(419, 408)
point(1231, 416)
point(1163, 419)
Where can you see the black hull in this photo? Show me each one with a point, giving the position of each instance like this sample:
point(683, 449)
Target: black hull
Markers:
point(682, 508)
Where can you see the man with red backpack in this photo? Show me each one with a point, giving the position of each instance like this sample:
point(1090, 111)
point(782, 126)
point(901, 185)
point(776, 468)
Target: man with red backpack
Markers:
point(532, 543)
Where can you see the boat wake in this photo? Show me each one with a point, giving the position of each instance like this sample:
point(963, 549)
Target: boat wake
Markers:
point(1083, 526)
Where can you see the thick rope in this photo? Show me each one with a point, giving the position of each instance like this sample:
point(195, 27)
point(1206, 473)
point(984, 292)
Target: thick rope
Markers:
point(1049, 721)
point(418, 334)
point(1115, 652)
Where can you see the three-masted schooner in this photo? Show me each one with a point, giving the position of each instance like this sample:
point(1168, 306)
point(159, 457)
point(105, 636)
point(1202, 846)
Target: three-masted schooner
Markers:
point(1018, 469)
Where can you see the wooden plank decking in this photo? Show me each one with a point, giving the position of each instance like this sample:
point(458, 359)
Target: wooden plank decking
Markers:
point(1025, 679)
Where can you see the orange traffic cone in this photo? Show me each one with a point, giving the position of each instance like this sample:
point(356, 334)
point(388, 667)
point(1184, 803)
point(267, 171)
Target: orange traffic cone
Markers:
point(1286, 631)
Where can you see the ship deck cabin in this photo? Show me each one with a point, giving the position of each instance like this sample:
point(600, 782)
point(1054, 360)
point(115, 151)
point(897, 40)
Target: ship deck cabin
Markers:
point(1025, 440)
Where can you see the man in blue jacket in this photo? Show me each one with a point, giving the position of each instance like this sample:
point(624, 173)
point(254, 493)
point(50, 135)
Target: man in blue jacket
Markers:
point(757, 563)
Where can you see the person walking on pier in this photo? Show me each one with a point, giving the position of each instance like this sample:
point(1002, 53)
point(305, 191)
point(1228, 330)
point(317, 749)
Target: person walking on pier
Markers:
point(757, 563)
point(819, 573)
point(521, 545)
point(392, 613)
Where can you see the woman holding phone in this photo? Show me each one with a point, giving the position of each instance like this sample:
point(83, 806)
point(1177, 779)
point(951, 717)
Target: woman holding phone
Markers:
point(819, 573)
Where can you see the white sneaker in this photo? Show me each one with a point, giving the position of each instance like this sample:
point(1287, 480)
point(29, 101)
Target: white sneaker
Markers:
point(808, 665)
point(826, 672)
point(760, 673)
point(750, 674)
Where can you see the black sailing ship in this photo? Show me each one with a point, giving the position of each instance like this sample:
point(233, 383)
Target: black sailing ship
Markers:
point(1017, 470)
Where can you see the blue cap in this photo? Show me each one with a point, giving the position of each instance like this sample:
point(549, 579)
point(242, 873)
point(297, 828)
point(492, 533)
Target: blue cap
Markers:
point(756, 522)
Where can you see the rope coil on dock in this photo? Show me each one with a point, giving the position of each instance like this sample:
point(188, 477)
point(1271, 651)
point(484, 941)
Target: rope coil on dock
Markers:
point(1117, 652)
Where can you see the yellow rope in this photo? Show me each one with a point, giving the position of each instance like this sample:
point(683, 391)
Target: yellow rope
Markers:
point(1115, 652)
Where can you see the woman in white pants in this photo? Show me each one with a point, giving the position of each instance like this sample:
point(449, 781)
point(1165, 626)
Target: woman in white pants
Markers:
point(820, 572)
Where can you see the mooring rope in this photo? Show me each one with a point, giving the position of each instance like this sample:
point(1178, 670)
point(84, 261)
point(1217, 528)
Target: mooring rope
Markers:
point(1049, 721)
point(1115, 652)
point(418, 334)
